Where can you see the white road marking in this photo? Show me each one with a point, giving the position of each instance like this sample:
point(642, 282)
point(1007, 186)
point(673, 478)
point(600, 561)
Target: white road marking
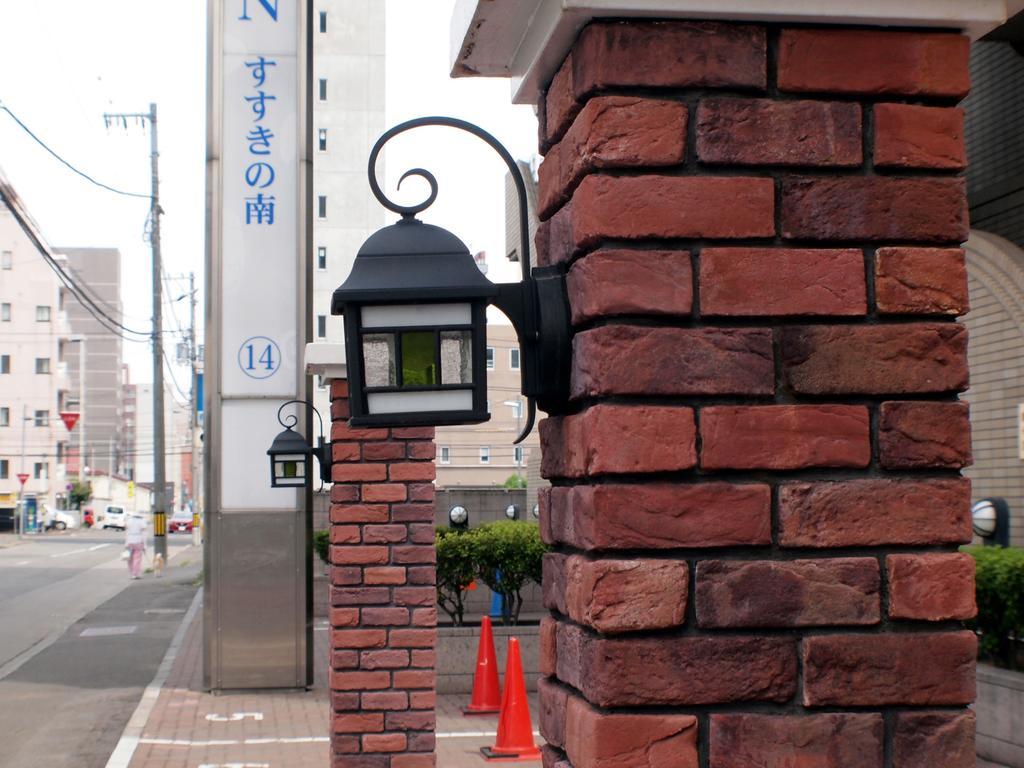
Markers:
point(234, 717)
point(108, 631)
point(234, 742)
point(79, 551)
point(234, 765)
point(470, 734)
point(164, 610)
point(24, 562)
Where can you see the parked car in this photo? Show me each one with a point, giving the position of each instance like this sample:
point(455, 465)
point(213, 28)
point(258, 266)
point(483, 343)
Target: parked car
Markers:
point(180, 522)
point(59, 520)
point(113, 517)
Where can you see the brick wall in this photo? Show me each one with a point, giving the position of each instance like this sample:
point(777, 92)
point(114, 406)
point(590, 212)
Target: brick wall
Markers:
point(383, 611)
point(757, 498)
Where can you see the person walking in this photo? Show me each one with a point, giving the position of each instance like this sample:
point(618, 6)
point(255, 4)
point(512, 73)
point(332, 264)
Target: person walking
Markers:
point(135, 543)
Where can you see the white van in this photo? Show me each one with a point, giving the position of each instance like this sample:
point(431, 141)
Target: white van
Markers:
point(113, 517)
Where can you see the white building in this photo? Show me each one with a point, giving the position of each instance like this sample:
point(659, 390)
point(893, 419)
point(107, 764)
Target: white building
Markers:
point(348, 116)
point(177, 445)
point(33, 344)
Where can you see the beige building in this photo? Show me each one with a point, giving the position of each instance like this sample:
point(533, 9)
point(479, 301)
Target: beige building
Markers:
point(348, 116)
point(33, 342)
point(484, 454)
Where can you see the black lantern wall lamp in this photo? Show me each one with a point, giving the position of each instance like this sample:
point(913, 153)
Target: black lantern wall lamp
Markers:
point(415, 315)
point(290, 454)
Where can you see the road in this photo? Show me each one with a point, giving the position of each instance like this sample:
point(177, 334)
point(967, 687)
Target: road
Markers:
point(79, 642)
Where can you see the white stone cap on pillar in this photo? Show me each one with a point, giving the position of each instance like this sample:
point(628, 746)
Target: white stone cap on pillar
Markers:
point(527, 40)
point(326, 360)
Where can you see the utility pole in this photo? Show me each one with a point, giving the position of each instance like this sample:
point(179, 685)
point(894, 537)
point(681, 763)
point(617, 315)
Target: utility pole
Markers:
point(159, 476)
point(193, 357)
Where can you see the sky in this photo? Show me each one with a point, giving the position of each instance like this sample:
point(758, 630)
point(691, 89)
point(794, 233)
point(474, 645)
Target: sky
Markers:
point(65, 63)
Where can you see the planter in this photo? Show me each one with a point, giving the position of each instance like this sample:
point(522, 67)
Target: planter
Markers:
point(1000, 711)
point(456, 655)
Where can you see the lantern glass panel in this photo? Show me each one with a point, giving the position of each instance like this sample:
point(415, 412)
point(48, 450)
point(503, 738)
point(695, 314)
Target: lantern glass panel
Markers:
point(379, 359)
point(405, 315)
point(419, 364)
point(290, 469)
point(419, 402)
point(456, 357)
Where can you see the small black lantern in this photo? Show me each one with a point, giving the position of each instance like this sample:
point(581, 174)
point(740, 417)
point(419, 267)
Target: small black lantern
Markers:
point(415, 316)
point(290, 454)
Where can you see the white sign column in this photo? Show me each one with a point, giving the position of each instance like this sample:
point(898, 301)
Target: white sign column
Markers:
point(256, 330)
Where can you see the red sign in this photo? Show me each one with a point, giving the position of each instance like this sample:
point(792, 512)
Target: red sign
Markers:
point(69, 418)
point(22, 477)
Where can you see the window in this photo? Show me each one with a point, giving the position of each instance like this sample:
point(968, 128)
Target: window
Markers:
point(42, 365)
point(485, 454)
point(488, 406)
point(5, 363)
point(322, 139)
point(513, 359)
point(5, 417)
point(517, 408)
point(517, 455)
point(321, 257)
point(323, 89)
point(321, 326)
point(446, 454)
point(42, 314)
point(41, 470)
point(321, 206)
point(42, 418)
point(6, 260)
point(490, 358)
point(5, 313)
point(323, 22)
point(5, 469)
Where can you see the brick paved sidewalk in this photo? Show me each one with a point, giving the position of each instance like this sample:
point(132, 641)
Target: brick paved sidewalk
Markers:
point(274, 730)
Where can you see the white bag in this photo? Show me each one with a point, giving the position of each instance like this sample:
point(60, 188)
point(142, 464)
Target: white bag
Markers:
point(125, 554)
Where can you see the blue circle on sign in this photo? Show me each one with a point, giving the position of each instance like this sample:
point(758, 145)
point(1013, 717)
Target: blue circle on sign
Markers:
point(259, 357)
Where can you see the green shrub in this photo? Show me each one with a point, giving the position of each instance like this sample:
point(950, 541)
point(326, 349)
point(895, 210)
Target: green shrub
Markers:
point(322, 545)
point(514, 550)
point(455, 570)
point(1000, 593)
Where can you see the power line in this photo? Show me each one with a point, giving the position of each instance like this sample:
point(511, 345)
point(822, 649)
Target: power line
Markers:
point(83, 174)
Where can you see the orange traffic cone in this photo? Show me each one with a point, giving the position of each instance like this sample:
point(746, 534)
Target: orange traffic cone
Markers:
point(515, 731)
point(486, 698)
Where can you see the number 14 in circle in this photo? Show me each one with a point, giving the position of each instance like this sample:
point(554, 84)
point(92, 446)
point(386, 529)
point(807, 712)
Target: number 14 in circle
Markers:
point(259, 357)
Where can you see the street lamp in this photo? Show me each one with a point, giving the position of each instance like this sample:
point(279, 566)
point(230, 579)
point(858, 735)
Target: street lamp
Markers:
point(990, 521)
point(415, 324)
point(512, 512)
point(291, 456)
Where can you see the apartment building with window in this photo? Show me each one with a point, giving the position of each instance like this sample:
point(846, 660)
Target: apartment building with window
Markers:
point(33, 346)
point(484, 454)
point(98, 270)
point(348, 116)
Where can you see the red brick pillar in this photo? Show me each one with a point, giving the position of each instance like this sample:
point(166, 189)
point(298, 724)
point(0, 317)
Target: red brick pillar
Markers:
point(757, 498)
point(383, 601)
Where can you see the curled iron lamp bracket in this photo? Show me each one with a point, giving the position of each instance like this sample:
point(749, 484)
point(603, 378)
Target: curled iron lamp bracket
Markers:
point(322, 451)
point(538, 306)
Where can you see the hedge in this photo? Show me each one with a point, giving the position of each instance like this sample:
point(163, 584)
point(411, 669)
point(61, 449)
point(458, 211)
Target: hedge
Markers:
point(505, 555)
point(1000, 592)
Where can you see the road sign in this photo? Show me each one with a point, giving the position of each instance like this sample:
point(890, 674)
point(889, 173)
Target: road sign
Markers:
point(69, 418)
point(22, 477)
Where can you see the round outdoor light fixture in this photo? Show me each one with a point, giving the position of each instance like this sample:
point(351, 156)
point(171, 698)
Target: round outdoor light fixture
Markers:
point(983, 518)
point(535, 511)
point(512, 512)
point(290, 454)
point(990, 521)
point(458, 517)
point(415, 315)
